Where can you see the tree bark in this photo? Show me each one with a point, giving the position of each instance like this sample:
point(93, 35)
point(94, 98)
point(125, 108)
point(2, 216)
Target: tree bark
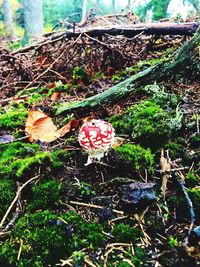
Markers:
point(33, 16)
point(8, 18)
point(184, 65)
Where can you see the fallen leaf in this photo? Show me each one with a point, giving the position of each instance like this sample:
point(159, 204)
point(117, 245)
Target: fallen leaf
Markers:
point(71, 125)
point(56, 96)
point(118, 141)
point(65, 129)
point(50, 85)
point(39, 126)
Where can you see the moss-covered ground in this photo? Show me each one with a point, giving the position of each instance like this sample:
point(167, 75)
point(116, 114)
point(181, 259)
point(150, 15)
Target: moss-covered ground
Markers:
point(72, 214)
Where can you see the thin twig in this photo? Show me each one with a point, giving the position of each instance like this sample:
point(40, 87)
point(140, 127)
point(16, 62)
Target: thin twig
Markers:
point(15, 199)
point(94, 206)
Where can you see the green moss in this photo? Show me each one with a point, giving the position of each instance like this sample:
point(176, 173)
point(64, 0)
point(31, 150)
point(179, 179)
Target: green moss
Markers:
point(146, 122)
point(194, 194)
point(140, 157)
point(34, 99)
point(126, 259)
point(79, 73)
point(47, 239)
point(162, 98)
point(98, 75)
point(195, 141)
point(21, 159)
point(13, 118)
point(117, 78)
point(176, 150)
point(125, 233)
point(192, 179)
point(46, 195)
point(6, 194)
point(59, 87)
point(83, 190)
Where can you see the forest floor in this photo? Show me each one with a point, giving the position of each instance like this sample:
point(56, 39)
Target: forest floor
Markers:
point(139, 205)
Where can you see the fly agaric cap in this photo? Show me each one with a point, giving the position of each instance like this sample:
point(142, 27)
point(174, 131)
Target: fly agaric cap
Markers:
point(96, 137)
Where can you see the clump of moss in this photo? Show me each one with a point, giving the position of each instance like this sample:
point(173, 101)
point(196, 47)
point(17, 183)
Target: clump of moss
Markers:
point(79, 73)
point(46, 195)
point(162, 98)
point(59, 87)
point(126, 259)
point(176, 150)
point(192, 179)
point(194, 194)
point(195, 141)
point(6, 194)
point(19, 159)
point(140, 157)
point(83, 190)
point(146, 122)
point(46, 238)
point(126, 233)
point(13, 118)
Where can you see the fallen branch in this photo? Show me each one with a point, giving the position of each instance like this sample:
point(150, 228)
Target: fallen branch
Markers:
point(161, 28)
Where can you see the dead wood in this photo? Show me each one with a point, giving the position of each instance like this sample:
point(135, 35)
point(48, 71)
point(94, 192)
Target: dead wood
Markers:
point(129, 31)
point(184, 64)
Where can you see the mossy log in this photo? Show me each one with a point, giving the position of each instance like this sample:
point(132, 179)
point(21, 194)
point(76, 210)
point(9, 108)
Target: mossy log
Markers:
point(185, 64)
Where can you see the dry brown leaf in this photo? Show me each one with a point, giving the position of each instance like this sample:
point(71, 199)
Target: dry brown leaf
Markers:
point(39, 126)
point(65, 129)
point(118, 142)
point(56, 96)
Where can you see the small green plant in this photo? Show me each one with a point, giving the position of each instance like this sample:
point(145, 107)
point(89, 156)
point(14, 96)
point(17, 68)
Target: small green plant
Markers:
point(172, 242)
point(6, 194)
point(140, 157)
point(117, 78)
point(59, 87)
point(125, 233)
point(79, 73)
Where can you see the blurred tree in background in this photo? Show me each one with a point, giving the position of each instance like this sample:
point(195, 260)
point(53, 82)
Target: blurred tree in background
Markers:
point(8, 17)
point(33, 19)
point(159, 8)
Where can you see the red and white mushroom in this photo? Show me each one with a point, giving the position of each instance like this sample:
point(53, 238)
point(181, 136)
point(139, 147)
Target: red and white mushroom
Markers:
point(96, 137)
